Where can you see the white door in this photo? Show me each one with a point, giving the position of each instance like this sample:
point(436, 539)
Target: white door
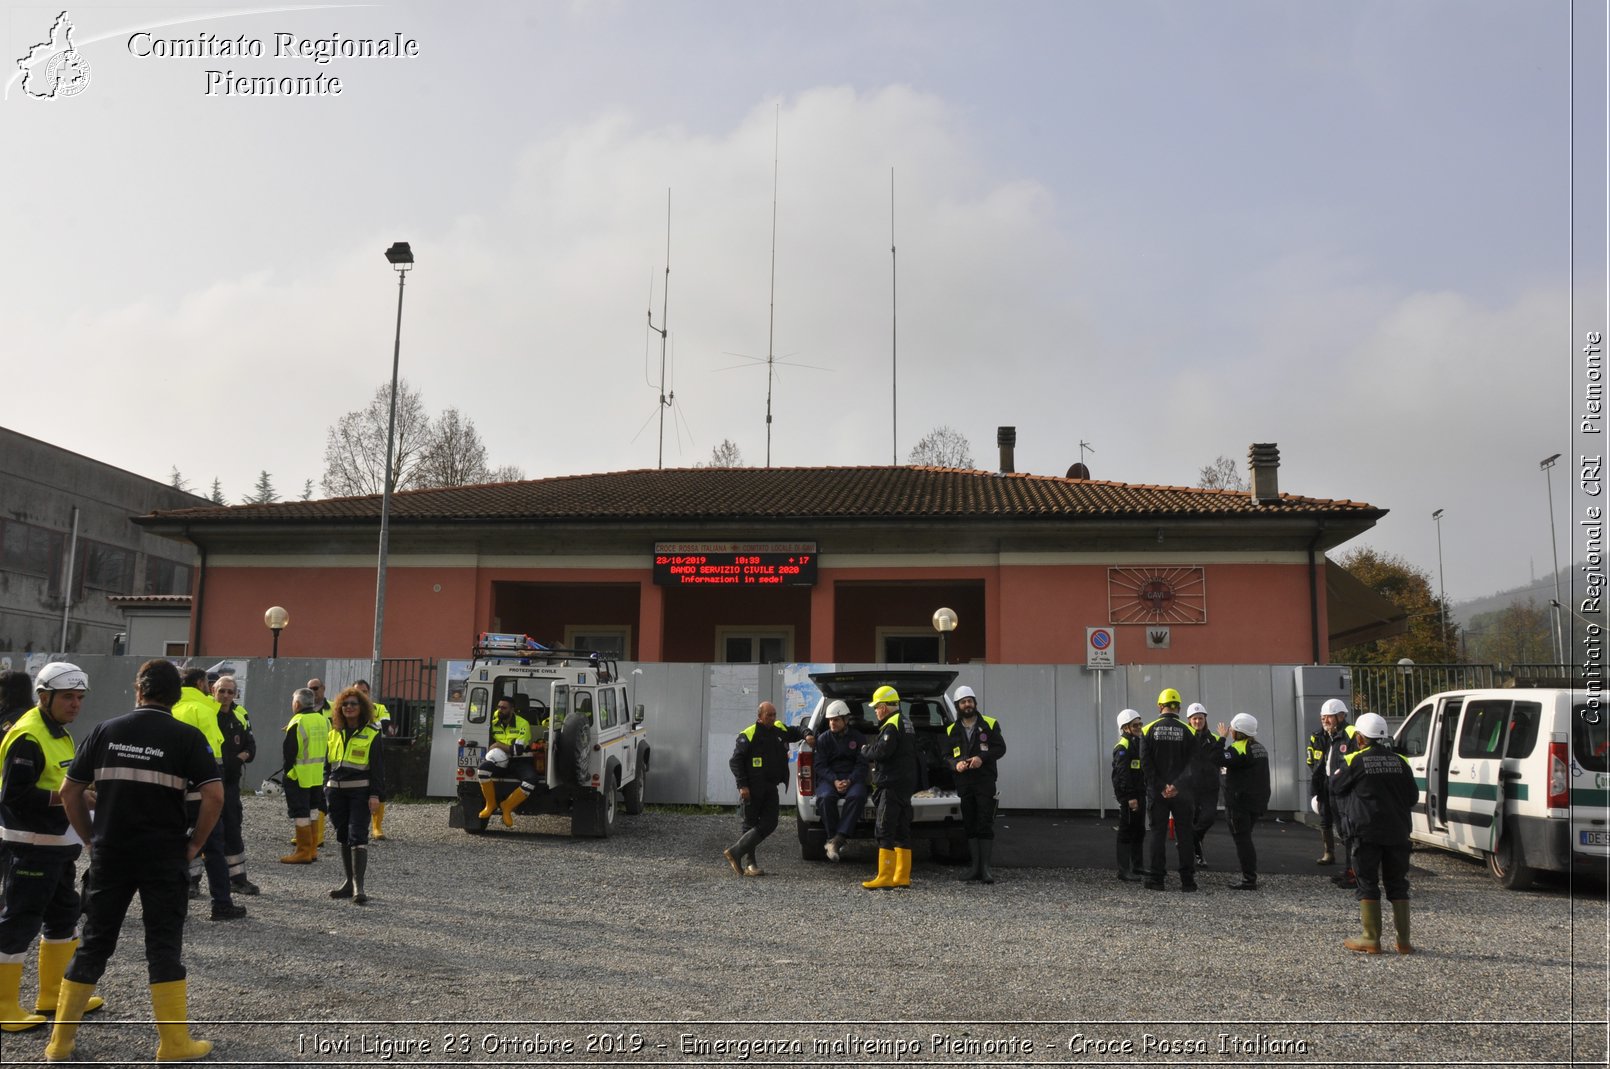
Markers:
point(1414, 743)
point(1475, 788)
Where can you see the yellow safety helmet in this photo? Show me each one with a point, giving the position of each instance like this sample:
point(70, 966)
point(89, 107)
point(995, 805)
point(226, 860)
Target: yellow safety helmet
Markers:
point(885, 695)
point(1170, 696)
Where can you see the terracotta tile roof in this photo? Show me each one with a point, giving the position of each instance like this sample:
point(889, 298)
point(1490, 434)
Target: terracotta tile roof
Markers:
point(864, 493)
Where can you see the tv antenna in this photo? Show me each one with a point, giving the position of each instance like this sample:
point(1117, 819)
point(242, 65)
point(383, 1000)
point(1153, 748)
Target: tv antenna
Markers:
point(1084, 447)
point(667, 397)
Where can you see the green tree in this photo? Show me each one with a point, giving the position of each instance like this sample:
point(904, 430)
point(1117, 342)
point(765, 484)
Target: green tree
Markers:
point(177, 481)
point(1521, 633)
point(307, 490)
point(217, 494)
point(1410, 589)
point(264, 493)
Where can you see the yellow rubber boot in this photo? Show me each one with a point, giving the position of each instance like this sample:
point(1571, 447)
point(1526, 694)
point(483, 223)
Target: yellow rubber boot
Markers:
point(1370, 917)
point(12, 1018)
point(69, 1011)
point(168, 1003)
point(509, 805)
point(54, 954)
point(489, 791)
point(885, 876)
point(377, 822)
point(902, 867)
point(318, 832)
point(304, 847)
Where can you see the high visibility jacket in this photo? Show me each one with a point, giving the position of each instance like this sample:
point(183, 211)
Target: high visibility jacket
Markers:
point(1127, 781)
point(1376, 792)
point(1168, 753)
point(1337, 747)
point(508, 734)
point(893, 756)
point(381, 712)
point(352, 760)
point(1246, 776)
point(311, 734)
point(988, 743)
point(201, 712)
point(760, 755)
point(33, 762)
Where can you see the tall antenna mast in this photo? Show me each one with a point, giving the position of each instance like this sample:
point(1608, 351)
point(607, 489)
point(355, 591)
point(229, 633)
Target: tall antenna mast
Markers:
point(771, 323)
point(665, 309)
point(1083, 446)
point(894, 335)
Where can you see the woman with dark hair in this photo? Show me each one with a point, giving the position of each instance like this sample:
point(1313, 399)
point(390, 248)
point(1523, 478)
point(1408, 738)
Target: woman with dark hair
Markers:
point(354, 784)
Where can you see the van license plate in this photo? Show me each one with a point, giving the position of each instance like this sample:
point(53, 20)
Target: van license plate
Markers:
point(469, 759)
point(1596, 838)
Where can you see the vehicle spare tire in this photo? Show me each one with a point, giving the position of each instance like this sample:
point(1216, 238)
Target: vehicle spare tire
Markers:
point(575, 749)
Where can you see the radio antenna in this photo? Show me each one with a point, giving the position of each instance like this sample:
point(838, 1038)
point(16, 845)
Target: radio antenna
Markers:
point(666, 398)
point(771, 321)
point(894, 335)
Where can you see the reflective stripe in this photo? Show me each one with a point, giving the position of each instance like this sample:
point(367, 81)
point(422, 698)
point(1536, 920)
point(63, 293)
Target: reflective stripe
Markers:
point(145, 775)
point(35, 838)
point(342, 784)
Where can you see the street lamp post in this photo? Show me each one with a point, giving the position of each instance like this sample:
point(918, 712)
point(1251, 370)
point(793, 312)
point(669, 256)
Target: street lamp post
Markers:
point(1547, 466)
point(401, 257)
point(277, 620)
point(944, 622)
point(1442, 591)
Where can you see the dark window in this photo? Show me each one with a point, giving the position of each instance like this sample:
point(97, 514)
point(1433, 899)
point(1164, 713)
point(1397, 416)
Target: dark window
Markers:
point(1590, 737)
point(1523, 723)
point(1415, 731)
point(911, 649)
point(607, 711)
point(30, 549)
point(103, 567)
point(164, 576)
point(1482, 728)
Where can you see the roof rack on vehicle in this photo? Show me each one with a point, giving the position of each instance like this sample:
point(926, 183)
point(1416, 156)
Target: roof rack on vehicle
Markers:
point(523, 649)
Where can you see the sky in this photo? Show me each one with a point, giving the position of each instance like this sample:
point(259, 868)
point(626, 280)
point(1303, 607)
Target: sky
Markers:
point(1369, 232)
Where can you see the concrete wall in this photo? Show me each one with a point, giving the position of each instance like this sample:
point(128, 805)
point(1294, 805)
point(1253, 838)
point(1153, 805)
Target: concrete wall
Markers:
point(1058, 719)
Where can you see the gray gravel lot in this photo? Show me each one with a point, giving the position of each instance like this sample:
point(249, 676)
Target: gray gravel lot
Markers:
point(645, 949)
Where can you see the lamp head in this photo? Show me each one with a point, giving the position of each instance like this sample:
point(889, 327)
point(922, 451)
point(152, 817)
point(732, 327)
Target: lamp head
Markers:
point(400, 255)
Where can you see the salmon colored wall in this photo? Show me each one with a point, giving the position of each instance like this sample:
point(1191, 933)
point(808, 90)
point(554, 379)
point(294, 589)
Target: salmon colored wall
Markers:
point(1257, 613)
point(691, 617)
point(333, 611)
point(542, 610)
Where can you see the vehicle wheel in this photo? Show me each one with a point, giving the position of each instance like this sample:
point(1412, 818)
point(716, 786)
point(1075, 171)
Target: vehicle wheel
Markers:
point(575, 749)
point(812, 842)
point(611, 791)
point(1508, 865)
point(634, 790)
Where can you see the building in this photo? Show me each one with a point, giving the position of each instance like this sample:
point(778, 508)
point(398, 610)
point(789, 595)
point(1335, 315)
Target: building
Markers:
point(754, 565)
point(65, 511)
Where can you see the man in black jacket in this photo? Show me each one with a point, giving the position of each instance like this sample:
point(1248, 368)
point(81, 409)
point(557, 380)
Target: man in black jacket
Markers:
point(759, 764)
point(1169, 752)
point(976, 742)
point(841, 770)
point(1246, 791)
point(1376, 793)
point(240, 749)
point(893, 755)
point(1129, 788)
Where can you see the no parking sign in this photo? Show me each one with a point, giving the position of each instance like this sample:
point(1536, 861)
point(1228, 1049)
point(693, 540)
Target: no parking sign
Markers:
point(1100, 649)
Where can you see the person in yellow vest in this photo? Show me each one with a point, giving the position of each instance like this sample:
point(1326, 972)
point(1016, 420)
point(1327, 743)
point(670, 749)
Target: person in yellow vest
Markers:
point(318, 810)
point(508, 755)
point(354, 781)
point(307, 737)
point(197, 708)
point(41, 891)
point(976, 743)
point(384, 726)
point(893, 757)
point(240, 749)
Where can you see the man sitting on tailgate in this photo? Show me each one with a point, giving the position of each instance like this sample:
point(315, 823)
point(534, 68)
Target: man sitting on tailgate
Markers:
point(510, 754)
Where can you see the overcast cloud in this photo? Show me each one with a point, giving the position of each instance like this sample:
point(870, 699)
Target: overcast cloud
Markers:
point(1170, 230)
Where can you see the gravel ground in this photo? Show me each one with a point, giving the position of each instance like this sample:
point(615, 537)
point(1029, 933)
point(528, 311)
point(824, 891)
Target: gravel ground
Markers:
point(645, 949)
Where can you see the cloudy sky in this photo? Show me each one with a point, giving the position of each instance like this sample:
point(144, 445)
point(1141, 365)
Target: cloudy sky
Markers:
point(1169, 230)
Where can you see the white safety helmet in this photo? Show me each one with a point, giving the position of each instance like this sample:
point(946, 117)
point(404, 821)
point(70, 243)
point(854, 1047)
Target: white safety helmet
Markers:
point(498, 756)
point(1128, 716)
point(1245, 723)
point(837, 709)
point(59, 675)
point(1372, 726)
point(1334, 707)
point(1196, 709)
point(965, 692)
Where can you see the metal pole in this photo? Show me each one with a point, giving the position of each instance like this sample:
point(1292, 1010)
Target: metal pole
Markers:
point(1554, 547)
point(67, 581)
point(1442, 591)
point(385, 496)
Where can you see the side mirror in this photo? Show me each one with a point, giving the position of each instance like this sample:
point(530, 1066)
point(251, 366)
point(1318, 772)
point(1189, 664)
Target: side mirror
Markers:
point(637, 715)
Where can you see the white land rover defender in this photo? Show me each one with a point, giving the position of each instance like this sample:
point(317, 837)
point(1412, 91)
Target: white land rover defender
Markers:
point(588, 742)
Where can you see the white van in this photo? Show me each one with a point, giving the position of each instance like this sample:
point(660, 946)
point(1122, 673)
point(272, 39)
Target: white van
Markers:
point(1518, 777)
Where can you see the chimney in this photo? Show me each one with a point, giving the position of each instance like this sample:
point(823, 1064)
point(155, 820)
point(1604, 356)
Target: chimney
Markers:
point(1006, 438)
point(1263, 459)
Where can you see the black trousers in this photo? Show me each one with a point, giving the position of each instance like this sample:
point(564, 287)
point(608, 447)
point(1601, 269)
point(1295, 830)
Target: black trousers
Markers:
point(300, 801)
point(1378, 863)
point(1207, 808)
point(1241, 822)
point(1182, 807)
point(759, 816)
point(212, 857)
point(230, 819)
point(114, 879)
point(978, 805)
point(349, 816)
point(893, 809)
point(41, 894)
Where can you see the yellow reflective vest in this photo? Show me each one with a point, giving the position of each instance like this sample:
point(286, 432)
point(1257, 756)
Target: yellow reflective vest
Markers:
point(58, 754)
point(201, 712)
point(312, 743)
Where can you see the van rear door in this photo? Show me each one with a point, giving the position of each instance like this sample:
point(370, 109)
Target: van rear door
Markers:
point(1413, 742)
point(1475, 783)
point(1590, 782)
